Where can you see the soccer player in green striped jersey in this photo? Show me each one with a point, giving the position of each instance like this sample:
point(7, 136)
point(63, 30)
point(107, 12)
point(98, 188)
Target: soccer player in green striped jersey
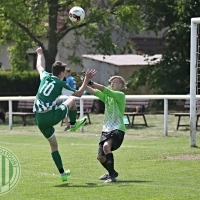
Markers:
point(48, 114)
point(113, 125)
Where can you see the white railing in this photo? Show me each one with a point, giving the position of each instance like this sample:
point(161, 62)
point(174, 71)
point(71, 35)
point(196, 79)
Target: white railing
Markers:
point(91, 97)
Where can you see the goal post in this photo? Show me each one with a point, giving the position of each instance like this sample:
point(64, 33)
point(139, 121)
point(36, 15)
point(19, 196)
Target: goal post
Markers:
point(193, 78)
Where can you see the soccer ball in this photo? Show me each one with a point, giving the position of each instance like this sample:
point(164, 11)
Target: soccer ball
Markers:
point(76, 14)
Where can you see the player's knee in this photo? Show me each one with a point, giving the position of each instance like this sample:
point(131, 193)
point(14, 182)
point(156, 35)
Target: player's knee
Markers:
point(74, 104)
point(101, 159)
point(106, 148)
point(71, 103)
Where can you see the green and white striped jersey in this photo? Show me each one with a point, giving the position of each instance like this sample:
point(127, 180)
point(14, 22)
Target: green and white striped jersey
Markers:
point(51, 87)
point(114, 109)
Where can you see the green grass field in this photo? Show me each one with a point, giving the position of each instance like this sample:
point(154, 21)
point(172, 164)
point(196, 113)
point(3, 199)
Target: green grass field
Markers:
point(150, 165)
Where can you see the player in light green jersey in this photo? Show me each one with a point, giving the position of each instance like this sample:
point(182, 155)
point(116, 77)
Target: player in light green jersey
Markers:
point(48, 114)
point(113, 125)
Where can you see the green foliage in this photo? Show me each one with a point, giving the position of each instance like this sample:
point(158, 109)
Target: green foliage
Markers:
point(34, 22)
point(128, 16)
point(13, 83)
point(171, 75)
point(18, 55)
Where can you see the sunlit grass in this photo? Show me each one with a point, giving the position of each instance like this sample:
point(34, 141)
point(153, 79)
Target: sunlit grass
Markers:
point(150, 165)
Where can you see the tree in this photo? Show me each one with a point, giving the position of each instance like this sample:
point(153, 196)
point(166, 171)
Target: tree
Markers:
point(171, 75)
point(29, 23)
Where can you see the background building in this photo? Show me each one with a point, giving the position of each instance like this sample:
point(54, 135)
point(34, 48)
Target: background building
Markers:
point(123, 65)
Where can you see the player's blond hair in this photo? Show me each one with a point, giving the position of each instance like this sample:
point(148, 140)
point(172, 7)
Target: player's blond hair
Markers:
point(120, 78)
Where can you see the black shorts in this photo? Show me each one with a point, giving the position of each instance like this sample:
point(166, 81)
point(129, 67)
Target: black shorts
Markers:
point(118, 137)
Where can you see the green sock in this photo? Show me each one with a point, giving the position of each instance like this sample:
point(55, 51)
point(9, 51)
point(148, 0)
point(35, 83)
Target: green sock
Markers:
point(72, 116)
point(57, 159)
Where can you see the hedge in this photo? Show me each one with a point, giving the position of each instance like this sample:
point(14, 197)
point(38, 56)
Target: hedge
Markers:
point(19, 83)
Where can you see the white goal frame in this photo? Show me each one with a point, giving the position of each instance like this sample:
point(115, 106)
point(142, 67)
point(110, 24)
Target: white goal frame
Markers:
point(193, 79)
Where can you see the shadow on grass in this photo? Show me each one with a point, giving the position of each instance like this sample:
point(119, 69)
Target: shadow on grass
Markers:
point(138, 127)
point(90, 185)
point(195, 146)
point(129, 181)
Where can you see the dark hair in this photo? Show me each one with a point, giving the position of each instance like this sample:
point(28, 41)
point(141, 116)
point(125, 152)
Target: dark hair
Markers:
point(68, 70)
point(58, 67)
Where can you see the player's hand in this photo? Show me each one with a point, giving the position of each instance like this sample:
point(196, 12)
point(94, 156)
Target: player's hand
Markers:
point(39, 51)
point(90, 73)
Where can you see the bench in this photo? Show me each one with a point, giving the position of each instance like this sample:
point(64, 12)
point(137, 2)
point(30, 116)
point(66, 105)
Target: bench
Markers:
point(87, 109)
point(24, 108)
point(136, 108)
point(187, 114)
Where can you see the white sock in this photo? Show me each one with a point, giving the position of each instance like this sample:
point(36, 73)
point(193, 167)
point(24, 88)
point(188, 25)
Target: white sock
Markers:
point(63, 174)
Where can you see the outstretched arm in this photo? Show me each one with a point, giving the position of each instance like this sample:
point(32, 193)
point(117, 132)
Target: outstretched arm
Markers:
point(89, 75)
point(39, 60)
point(98, 86)
point(90, 90)
point(104, 90)
point(96, 92)
point(94, 84)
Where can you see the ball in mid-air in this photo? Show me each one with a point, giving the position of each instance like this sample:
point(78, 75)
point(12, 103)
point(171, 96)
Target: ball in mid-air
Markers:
point(76, 14)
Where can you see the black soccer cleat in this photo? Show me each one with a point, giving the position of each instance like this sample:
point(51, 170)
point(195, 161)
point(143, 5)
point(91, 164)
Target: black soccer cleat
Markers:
point(106, 176)
point(111, 179)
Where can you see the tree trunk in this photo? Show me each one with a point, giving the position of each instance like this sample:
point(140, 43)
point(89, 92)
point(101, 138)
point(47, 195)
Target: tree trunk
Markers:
point(50, 56)
point(52, 35)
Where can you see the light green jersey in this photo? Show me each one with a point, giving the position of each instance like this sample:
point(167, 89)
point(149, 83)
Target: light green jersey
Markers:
point(114, 109)
point(51, 87)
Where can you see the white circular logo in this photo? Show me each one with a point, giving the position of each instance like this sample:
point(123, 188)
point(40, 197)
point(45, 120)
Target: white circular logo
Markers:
point(9, 170)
